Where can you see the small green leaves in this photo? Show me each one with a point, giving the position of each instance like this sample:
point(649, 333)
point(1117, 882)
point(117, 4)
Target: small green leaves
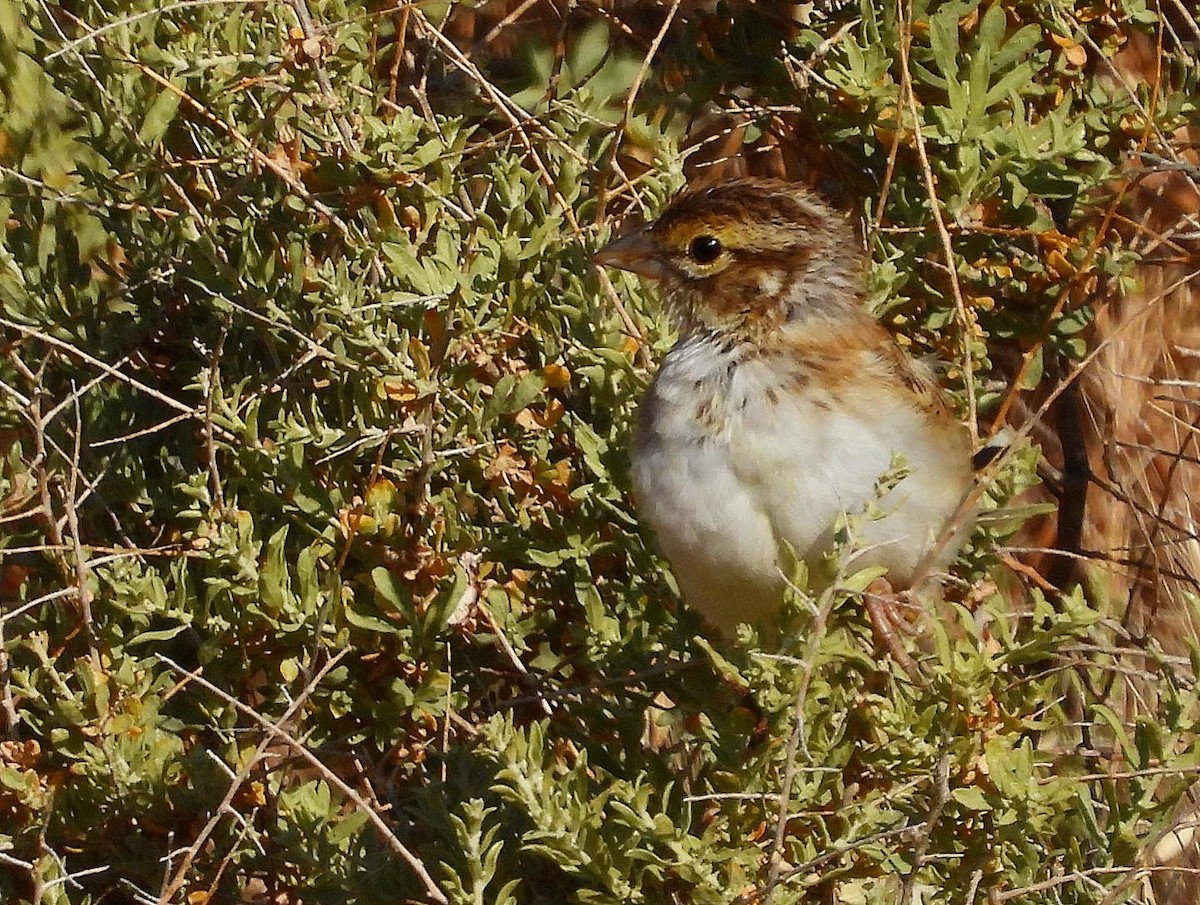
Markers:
point(317, 545)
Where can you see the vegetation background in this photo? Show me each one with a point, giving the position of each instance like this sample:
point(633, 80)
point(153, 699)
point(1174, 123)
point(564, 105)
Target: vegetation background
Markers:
point(320, 580)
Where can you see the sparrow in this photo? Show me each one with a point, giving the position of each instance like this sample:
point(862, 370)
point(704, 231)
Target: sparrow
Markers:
point(783, 406)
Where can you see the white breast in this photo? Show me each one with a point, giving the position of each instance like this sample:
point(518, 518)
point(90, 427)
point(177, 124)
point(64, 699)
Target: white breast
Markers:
point(732, 456)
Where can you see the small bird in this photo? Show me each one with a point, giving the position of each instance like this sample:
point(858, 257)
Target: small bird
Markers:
point(782, 406)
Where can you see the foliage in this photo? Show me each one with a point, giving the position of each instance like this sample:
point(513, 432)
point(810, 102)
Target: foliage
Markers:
point(319, 558)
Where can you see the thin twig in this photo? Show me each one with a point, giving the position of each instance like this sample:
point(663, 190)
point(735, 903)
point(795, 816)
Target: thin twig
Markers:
point(796, 740)
point(1135, 873)
point(968, 326)
point(941, 794)
point(834, 853)
point(502, 640)
point(285, 175)
point(75, 576)
point(238, 779)
point(414, 863)
point(112, 371)
point(211, 386)
point(304, 17)
point(82, 571)
point(519, 119)
point(93, 33)
point(8, 706)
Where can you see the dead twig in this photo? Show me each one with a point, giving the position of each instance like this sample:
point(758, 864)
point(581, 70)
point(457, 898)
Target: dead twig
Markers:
point(82, 570)
point(110, 370)
point(304, 18)
point(968, 325)
point(224, 807)
point(388, 834)
point(941, 794)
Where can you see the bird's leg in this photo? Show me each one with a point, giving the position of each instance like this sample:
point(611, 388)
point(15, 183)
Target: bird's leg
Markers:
point(883, 606)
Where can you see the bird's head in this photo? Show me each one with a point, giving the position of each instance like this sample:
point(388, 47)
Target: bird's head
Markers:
point(746, 254)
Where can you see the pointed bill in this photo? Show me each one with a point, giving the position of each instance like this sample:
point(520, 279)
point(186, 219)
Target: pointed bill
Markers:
point(635, 252)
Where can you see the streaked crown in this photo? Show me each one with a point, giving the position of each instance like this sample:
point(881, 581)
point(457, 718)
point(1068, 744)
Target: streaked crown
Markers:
point(746, 253)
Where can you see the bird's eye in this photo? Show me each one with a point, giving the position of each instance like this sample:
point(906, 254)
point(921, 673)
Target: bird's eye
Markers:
point(704, 249)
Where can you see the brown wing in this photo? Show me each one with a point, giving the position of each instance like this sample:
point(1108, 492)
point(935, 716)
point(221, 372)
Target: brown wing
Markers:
point(918, 378)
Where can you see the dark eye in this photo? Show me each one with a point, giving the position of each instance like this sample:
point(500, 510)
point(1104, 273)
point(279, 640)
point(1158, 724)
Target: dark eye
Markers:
point(704, 249)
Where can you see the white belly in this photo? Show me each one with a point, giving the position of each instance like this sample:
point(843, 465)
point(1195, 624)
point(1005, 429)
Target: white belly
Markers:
point(723, 488)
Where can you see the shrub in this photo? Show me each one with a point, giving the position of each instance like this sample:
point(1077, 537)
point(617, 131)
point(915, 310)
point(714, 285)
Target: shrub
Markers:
point(321, 579)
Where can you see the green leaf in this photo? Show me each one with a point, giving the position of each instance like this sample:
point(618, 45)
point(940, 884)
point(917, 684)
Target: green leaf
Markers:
point(158, 118)
point(972, 798)
point(385, 585)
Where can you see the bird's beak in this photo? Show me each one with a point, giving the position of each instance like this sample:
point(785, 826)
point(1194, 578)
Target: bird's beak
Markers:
point(634, 252)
